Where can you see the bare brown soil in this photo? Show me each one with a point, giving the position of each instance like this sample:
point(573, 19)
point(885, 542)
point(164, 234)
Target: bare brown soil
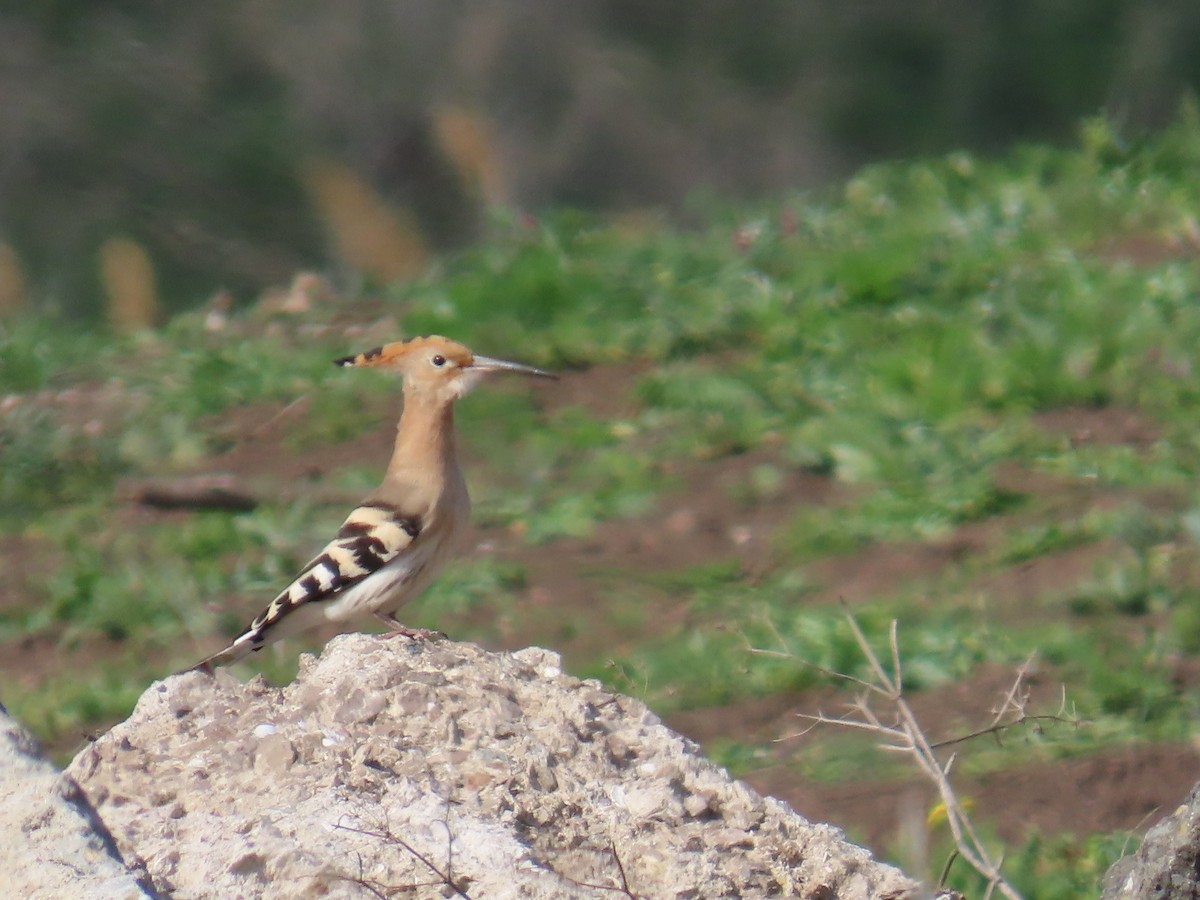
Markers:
point(1127, 787)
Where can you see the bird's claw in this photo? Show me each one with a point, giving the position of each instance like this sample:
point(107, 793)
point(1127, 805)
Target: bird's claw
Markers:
point(416, 634)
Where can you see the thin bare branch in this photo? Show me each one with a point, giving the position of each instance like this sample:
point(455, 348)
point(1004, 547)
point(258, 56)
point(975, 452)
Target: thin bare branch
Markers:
point(1010, 699)
point(777, 634)
point(906, 736)
point(621, 868)
point(623, 888)
point(894, 641)
point(799, 734)
point(941, 882)
point(889, 688)
point(949, 764)
point(873, 727)
point(1003, 726)
point(1014, 705)
point(392, 837)
point(777, 654)
point(363, 883)
point(829, 673)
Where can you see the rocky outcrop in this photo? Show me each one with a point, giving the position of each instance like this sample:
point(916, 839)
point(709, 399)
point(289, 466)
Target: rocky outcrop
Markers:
point(425, 769)
point(51, 843)
point(1167, 865)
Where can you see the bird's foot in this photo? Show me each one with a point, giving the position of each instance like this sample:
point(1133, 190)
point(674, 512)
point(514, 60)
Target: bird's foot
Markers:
point(400, 630)
point(416, 634)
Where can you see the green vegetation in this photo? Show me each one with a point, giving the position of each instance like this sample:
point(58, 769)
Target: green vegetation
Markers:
point(948, 343)
point(1049, 868)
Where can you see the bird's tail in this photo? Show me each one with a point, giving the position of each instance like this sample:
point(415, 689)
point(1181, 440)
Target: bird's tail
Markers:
point(236, 651)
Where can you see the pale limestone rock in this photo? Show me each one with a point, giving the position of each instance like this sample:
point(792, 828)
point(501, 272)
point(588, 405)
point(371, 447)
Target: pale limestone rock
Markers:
point(503, 773)
point(1167, 865)
point(51, 843)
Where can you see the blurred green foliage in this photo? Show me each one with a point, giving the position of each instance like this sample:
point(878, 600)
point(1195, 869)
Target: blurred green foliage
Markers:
point(187, 127)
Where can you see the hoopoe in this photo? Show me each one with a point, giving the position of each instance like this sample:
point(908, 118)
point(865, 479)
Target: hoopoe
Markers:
point(394, 544)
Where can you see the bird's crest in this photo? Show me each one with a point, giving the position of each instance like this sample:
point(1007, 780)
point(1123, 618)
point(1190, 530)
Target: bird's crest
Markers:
point(394, 354)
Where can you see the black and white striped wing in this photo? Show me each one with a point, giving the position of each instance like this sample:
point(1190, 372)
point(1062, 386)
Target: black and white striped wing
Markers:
point(372, 536)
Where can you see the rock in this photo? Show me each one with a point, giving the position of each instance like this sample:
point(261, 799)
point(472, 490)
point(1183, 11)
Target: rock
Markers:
point(1167, 865)
point(422, 769)
point(52, 845)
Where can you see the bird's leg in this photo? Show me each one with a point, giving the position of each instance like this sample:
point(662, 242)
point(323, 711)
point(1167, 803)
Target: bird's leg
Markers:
point(399, 630)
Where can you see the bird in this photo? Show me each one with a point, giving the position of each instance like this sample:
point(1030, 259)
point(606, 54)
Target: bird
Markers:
point(393, 545)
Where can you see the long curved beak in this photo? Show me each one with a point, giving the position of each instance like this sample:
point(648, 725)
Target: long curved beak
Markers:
point(488, 364)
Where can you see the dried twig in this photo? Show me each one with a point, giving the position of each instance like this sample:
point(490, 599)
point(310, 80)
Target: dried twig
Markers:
point(906, 736)
point(970, 846)
point(622, 888)
point(788, 654)
point(445, 878)
point(1014, 707)
point(362, 881)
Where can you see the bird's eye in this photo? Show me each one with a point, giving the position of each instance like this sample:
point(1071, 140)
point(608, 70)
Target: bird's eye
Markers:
point(438, 360)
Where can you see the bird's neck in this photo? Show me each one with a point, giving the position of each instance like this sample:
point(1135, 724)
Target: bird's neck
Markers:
point(425, 436)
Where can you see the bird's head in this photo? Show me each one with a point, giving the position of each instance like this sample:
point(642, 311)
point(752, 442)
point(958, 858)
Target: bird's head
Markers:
point(436, 366)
